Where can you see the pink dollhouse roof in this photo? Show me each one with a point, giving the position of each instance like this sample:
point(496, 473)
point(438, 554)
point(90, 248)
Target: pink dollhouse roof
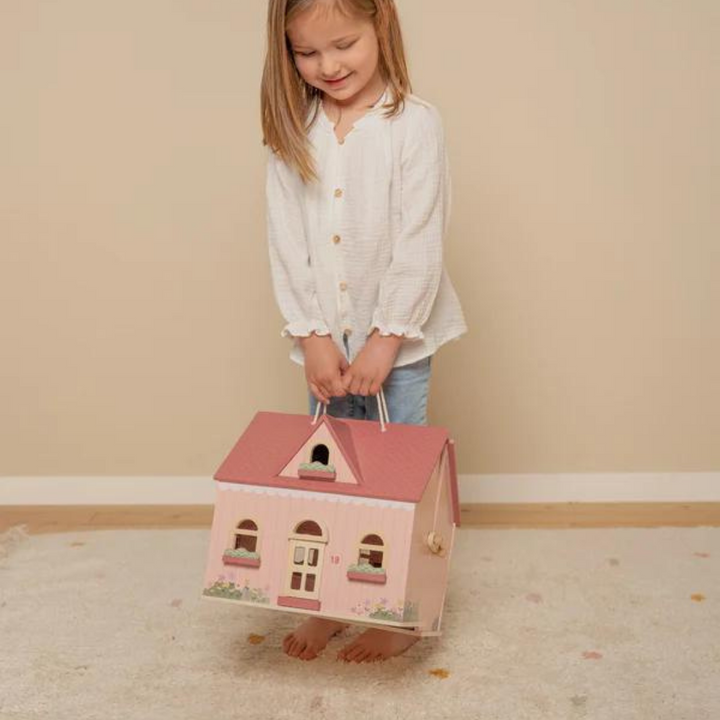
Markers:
point(391, 465)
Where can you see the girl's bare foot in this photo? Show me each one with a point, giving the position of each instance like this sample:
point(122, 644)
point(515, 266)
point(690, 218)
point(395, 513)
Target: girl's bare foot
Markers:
point(375, 645)
point(308, 639)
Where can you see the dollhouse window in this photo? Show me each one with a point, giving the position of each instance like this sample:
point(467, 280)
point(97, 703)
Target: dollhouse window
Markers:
point(319, 467)
point(371, 551)
point(246, 536)
point(321, 454)
point(308, 527)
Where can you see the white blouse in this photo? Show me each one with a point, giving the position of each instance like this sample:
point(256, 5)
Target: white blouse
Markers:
point(362, 248)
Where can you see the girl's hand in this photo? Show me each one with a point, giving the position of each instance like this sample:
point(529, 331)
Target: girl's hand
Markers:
point(324, 365)
point(372, 364)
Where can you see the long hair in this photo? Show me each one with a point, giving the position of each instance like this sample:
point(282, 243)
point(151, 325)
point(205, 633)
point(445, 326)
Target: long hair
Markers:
point(289, 106)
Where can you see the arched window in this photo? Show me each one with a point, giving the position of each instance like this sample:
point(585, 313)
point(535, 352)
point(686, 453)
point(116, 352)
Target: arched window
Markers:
point(246, 536)
point(321, 454)
point(308, 527)
point(371, 551)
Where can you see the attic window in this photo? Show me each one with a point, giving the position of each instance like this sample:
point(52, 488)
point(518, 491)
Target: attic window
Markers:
point(319, 467)
point(246, 536)
point(320, 454)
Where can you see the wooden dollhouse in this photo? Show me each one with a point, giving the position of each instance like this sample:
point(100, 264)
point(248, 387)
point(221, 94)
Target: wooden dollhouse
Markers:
point(336, 517)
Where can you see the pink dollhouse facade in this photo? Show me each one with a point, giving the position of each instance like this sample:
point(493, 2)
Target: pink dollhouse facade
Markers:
point(336, 518)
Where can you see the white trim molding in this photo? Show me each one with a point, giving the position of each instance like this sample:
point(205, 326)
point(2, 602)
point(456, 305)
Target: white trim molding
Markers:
point(523, 488)
point(309, 495)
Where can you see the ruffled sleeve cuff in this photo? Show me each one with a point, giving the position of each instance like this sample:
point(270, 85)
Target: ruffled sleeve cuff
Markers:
point(408, 331)
point(305, 329)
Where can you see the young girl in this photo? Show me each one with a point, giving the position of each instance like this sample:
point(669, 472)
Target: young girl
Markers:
point(358, 201)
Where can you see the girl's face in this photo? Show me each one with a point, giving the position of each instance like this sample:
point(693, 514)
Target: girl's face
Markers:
point(329, 46)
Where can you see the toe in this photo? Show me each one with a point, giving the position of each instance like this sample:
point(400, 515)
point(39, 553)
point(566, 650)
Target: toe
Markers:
point(308, 653)
point(296, 648)
point(354, 653)
point(343, 652)
point(363, 656)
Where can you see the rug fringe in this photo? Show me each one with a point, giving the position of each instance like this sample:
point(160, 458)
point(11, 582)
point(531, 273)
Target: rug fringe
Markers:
point(11, 538)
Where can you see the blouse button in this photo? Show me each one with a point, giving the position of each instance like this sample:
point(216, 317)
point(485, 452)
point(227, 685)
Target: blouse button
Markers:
point(348, 331)
point(338, 193)
point(343, 286)
point(341, 141)
point(336, 239)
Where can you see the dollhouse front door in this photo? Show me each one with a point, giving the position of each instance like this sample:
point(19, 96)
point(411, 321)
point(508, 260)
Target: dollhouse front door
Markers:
point(306, 547)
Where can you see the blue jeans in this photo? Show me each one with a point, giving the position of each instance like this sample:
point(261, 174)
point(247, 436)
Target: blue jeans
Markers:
point(406, 395)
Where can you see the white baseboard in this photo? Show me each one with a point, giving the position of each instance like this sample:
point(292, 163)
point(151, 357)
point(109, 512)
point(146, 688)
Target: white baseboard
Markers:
point(591, 487)
point(526, 488)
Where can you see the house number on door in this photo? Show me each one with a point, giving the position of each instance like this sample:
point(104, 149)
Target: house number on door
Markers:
point(335, 559)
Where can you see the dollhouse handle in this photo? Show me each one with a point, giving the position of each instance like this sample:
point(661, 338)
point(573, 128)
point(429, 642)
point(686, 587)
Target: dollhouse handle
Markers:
point(382, 410)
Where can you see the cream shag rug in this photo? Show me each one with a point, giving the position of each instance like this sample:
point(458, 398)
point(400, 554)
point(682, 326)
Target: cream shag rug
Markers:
point(602, 624)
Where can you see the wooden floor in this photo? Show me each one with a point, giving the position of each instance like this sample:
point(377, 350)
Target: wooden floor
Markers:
point(40, 519)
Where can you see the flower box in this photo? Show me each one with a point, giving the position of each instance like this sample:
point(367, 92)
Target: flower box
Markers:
point(241, 557)
point(316, 474)
point(360, 573)
point(316, 471)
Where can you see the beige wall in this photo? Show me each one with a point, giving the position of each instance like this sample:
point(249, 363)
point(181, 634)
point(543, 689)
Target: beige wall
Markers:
point(139, 331)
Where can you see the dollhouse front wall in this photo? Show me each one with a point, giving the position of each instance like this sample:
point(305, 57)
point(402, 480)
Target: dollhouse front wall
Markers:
point(345, 521)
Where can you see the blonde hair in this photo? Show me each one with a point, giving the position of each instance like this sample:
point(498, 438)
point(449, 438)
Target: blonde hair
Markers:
point(286, 100)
